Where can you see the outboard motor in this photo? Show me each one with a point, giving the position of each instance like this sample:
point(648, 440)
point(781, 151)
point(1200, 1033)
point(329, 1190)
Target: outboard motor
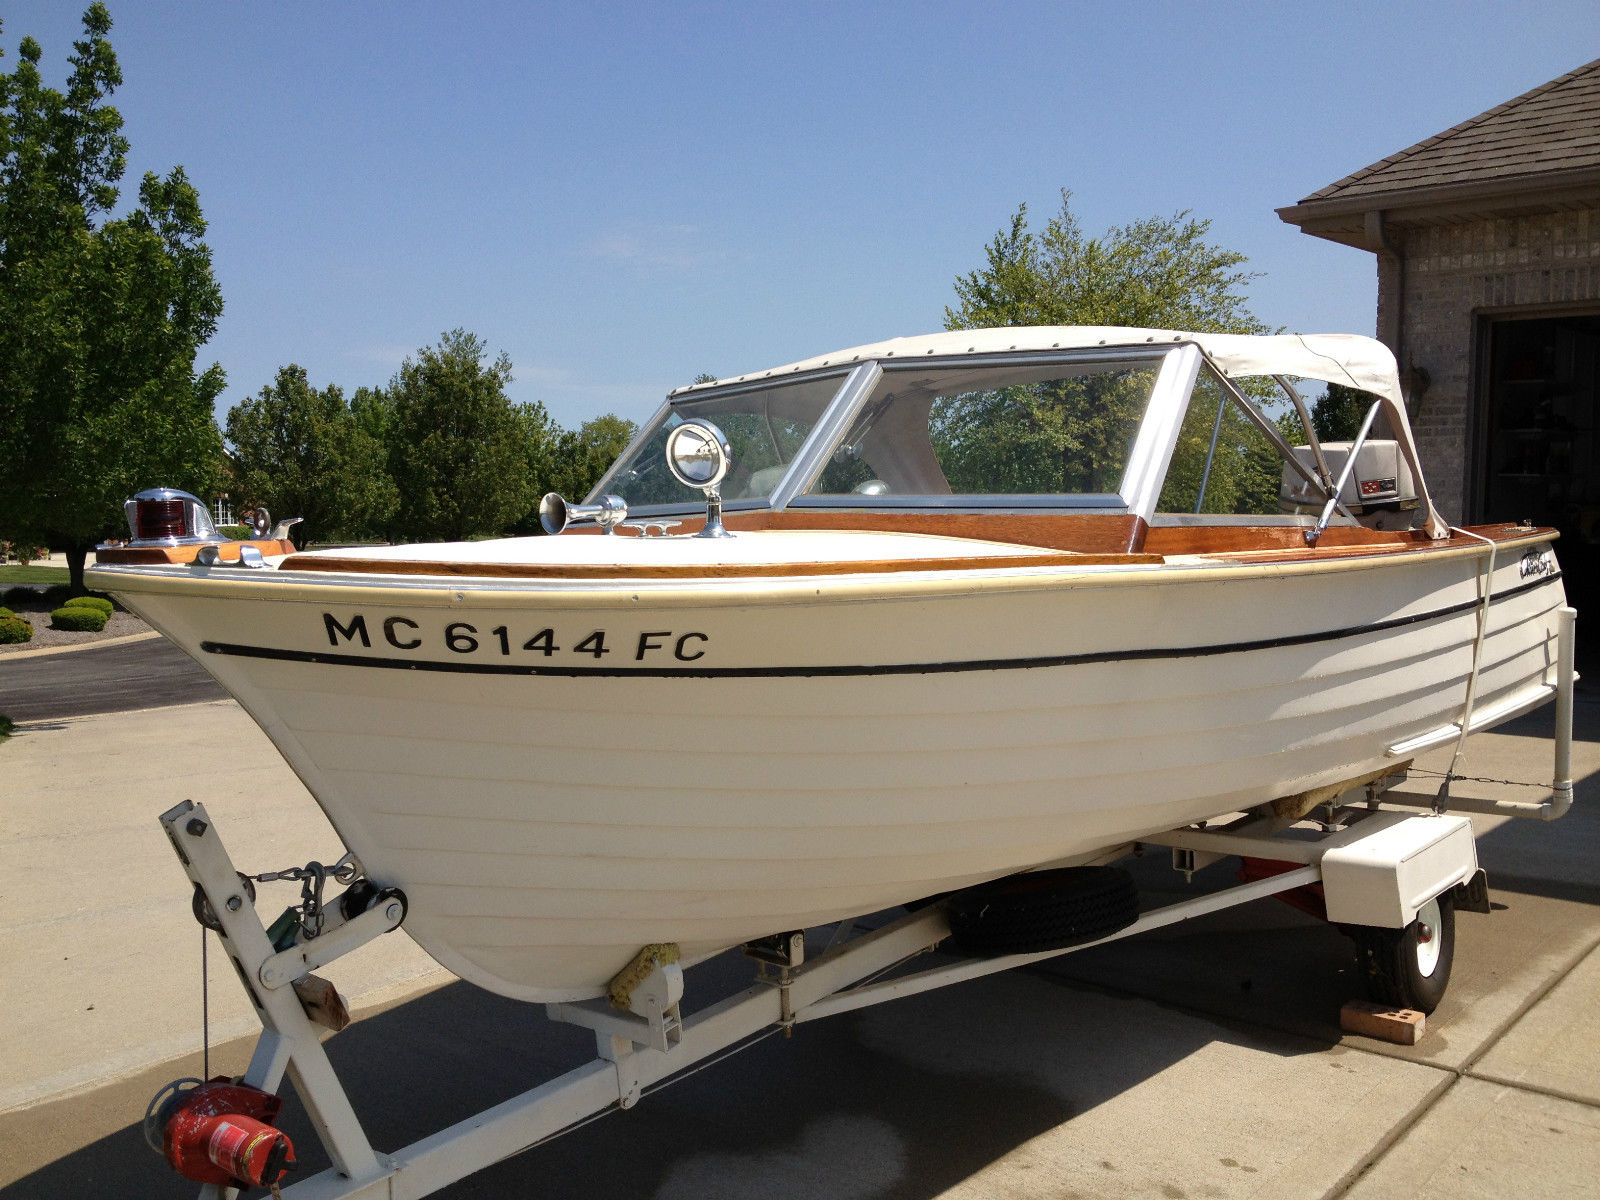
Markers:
point(1379, 488)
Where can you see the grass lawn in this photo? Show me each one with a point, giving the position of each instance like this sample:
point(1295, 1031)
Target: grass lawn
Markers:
point(20, 574)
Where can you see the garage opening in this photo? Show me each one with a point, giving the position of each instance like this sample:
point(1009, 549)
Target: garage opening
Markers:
point(1540, 456)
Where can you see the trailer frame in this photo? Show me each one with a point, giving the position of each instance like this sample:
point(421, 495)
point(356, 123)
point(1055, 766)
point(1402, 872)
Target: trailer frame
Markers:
point(1374, 863)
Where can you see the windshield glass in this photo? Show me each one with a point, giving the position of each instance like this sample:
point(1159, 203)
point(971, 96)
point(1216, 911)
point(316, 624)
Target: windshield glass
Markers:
point(765, 428)
point(1038, 429)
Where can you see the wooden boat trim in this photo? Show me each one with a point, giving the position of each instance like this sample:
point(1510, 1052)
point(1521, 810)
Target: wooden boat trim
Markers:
point(431, 591)
point(875, 566)
point(227, 552)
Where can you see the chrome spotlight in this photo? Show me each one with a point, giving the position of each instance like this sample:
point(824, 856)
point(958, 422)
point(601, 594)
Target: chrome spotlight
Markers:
point(698, 456)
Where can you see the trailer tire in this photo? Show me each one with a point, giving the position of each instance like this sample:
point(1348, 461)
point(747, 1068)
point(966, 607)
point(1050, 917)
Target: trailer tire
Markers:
point(1043, 910)
point(1410, 967)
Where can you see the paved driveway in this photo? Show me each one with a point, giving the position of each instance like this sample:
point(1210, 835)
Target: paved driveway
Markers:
point(1204, 1060)
point(134, 675)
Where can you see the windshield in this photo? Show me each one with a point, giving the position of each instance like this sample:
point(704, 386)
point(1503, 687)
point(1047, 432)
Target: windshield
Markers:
point(1038, 429)
point(765, 428)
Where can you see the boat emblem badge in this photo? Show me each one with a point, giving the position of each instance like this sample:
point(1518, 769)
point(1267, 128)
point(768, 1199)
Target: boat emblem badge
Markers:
point(1537, 562)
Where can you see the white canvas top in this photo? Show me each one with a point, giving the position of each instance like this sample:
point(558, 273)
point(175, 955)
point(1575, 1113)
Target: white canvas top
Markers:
point(1344, 358)
point(1347, 358)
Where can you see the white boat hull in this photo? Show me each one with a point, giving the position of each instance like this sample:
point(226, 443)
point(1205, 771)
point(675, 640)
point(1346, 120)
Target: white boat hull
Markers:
point(817, 748)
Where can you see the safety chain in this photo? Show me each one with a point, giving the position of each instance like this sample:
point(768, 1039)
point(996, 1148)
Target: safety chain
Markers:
point(312, 878)
point(1477, 778)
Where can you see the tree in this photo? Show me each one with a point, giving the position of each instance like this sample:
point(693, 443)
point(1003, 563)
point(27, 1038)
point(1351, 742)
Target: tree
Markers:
point(1157, 273)
point(1337, 414)
point(1072, 435)
point(459, 449)
point(373, 410)
point(100, 318)
point(582, 455)
point(302, 453)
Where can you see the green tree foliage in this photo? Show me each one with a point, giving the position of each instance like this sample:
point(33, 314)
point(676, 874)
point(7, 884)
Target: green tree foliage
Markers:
point(1050, 436)
point(302, 453)
point(1158, 273)
point(100, 318)
point(459, 449)
point(578, 457)
point(373, 409)
point(571, 461)
point(1337, 414)
point(1234, 463)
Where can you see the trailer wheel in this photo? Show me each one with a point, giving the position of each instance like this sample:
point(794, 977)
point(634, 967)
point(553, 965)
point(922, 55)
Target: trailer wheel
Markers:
point(1410, 967)
point(1043, 910)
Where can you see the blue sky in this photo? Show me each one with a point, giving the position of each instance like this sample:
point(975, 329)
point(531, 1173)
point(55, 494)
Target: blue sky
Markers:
point(622, 196)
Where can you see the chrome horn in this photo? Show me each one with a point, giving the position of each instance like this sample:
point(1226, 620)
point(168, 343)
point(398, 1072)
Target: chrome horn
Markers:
point(555, 514)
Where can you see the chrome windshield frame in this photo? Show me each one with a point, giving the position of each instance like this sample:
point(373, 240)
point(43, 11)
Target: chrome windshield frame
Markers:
point(1143, 474)
point(1112, 502)
point(847, 375)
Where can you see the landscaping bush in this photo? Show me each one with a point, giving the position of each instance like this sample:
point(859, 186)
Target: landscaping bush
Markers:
point(238, 533)
point(14, 630)
point(55, 595)
point(5, 612)
point(21, 594)
point(78, 620)
point(98, 603)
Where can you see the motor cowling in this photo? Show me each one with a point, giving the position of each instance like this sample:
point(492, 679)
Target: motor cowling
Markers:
point(220, 1132)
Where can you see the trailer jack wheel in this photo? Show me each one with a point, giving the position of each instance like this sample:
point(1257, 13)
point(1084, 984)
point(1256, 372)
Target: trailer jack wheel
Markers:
point(1410, 967)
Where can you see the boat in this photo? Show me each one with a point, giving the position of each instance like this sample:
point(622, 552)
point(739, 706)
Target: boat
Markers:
point(867, 628)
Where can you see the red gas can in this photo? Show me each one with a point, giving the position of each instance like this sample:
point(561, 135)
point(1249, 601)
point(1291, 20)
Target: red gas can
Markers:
point(222, 1132)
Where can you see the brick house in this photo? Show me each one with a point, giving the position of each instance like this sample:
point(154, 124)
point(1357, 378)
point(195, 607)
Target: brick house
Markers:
point(1487, 239)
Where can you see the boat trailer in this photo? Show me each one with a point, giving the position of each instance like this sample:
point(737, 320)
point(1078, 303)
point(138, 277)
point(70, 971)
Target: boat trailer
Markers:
point(1373, 867)
point(1380, 874)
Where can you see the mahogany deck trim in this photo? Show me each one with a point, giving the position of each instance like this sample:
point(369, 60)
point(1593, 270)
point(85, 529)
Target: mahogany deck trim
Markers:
point(1042, 540)
point(876, 566)
point(156, 555)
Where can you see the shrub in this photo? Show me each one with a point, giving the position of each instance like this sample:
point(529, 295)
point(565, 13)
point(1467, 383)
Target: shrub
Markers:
point(5, 612)
point(21, 594)
point(238, 533)
point(55, 595)
point(14, 630)
point(78, 620)
point(98, 603)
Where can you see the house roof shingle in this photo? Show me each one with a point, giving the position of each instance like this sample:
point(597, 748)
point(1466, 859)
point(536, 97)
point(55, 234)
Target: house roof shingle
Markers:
point(1553, 128)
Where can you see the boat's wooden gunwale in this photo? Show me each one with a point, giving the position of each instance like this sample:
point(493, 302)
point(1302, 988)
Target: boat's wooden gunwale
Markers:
point(227, 552)
point(466, 593)
point(1284, 544)
point(875, 566)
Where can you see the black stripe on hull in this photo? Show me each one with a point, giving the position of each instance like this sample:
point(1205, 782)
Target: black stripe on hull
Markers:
point(322, 658)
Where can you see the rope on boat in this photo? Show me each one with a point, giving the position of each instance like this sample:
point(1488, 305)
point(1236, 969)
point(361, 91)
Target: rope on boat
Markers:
point(1442, 800)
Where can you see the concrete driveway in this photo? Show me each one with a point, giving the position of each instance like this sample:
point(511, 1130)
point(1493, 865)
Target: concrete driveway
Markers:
point(1204, 1060)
